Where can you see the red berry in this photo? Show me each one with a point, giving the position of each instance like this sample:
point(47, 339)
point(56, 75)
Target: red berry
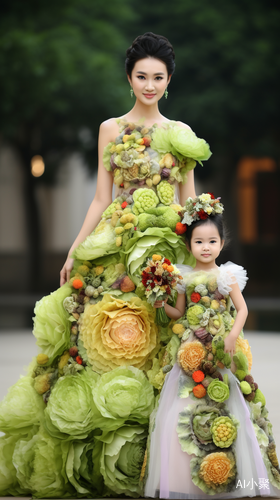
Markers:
point(135, 229)
point(124, 204)
point(121, 185)
point(79, 360)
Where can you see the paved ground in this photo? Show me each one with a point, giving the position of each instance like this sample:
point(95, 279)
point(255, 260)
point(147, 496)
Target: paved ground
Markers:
point(18, 347)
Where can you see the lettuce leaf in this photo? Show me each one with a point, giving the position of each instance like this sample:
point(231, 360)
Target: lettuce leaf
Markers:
point(101, 242)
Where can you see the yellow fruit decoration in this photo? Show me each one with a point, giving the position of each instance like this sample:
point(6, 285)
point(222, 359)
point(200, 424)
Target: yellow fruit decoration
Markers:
point(42, 359)
point(63, 360)
point(98, 270)
point(156, 257)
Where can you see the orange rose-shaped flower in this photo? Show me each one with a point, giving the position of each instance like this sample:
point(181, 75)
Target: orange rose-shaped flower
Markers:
point(243, 345)
point(190, 355)
point(116, 333)
point(216, 468)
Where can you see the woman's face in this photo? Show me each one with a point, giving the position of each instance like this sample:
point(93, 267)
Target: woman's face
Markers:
point(149, 79)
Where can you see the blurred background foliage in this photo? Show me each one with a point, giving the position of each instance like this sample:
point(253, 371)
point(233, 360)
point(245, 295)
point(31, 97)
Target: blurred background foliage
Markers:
point(62, 71)
point(62, 74)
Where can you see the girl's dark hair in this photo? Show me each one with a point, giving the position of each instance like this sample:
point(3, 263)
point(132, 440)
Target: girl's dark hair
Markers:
point(150, 45)
point(217, 220)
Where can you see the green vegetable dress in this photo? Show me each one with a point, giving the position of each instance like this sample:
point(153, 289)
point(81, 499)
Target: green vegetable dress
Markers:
point(78, 424)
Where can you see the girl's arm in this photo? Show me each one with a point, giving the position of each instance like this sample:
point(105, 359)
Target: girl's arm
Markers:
point(174, 312)
point(242, 313)
point(103, 196)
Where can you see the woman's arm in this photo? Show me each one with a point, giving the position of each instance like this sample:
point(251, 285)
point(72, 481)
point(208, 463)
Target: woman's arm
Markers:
point(103, 196)
point(174, 312)
point(242, 313)
point(188, 189)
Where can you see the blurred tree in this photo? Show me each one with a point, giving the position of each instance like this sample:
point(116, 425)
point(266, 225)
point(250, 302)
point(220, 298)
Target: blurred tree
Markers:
point(61, 73)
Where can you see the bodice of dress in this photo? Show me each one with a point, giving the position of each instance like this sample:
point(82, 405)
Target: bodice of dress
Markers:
point(209, 306)
point(156, 158)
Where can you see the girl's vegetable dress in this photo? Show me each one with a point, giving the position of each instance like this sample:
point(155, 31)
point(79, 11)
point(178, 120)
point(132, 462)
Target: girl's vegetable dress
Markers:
point(213, 439)
point(77, 425)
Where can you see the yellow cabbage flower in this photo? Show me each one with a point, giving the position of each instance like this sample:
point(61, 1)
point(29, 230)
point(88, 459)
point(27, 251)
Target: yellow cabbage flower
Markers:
point(243, 345)
point(115, 333)
point(217, 468)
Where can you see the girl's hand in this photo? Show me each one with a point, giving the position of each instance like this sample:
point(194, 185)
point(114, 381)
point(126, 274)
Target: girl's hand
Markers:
point(160, 303)
point(230, 345)
point(66, 270)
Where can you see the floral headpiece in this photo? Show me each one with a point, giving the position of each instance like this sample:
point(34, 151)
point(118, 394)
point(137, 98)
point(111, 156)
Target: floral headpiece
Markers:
point(201, 207)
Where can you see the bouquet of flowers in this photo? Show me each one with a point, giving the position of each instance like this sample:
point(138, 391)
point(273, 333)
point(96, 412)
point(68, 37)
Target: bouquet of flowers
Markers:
point(160, 279)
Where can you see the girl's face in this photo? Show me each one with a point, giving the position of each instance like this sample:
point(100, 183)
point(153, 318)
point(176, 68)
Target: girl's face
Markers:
point(149, 80)
point(206, 244)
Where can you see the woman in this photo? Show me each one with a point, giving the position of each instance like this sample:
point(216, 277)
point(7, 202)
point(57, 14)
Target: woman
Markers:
point(77, 424)
point(149, 65)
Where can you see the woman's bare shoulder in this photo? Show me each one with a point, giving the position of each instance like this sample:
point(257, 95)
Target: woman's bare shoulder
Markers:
point(109, 129)
point(183, 125)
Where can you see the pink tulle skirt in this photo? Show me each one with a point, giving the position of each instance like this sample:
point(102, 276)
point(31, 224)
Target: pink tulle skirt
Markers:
point(169, 467)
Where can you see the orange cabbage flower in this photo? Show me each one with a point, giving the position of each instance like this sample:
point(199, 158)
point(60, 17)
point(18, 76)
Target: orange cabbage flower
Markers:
point(190, 355)
point(216, 468)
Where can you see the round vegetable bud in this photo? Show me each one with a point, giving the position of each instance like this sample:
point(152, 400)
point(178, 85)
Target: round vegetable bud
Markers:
point(42, 359)
point(245, 387)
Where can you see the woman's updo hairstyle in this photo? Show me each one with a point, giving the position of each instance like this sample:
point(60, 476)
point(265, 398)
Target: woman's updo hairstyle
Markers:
point(150, 45)
point(216, 219)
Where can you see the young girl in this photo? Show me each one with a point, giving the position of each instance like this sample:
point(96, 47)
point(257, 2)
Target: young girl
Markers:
point(211, 434)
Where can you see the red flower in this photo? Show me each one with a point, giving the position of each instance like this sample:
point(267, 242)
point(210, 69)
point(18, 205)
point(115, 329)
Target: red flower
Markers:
point(79, 360)
point(152, 285)
point(153, 269)
point(168, 290)
point(195, 297)
point(202, 215)
point(124, 204)
point(167, 261)
point(212, 196)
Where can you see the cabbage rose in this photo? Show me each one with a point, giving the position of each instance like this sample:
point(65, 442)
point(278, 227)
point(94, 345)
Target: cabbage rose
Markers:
point(70, 410)
point(40, 464)
point(83, 467)
point(116, 333)
point(122, 459)
point(181, 142)
point(22, 408)
point(51, 323)
point(218, 391)
point(9, 484)
point(123, 394)
point(102, 241)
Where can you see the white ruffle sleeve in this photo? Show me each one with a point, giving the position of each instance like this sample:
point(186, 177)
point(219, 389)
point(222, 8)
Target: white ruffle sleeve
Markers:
point(229, 274)
point(185, 271)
